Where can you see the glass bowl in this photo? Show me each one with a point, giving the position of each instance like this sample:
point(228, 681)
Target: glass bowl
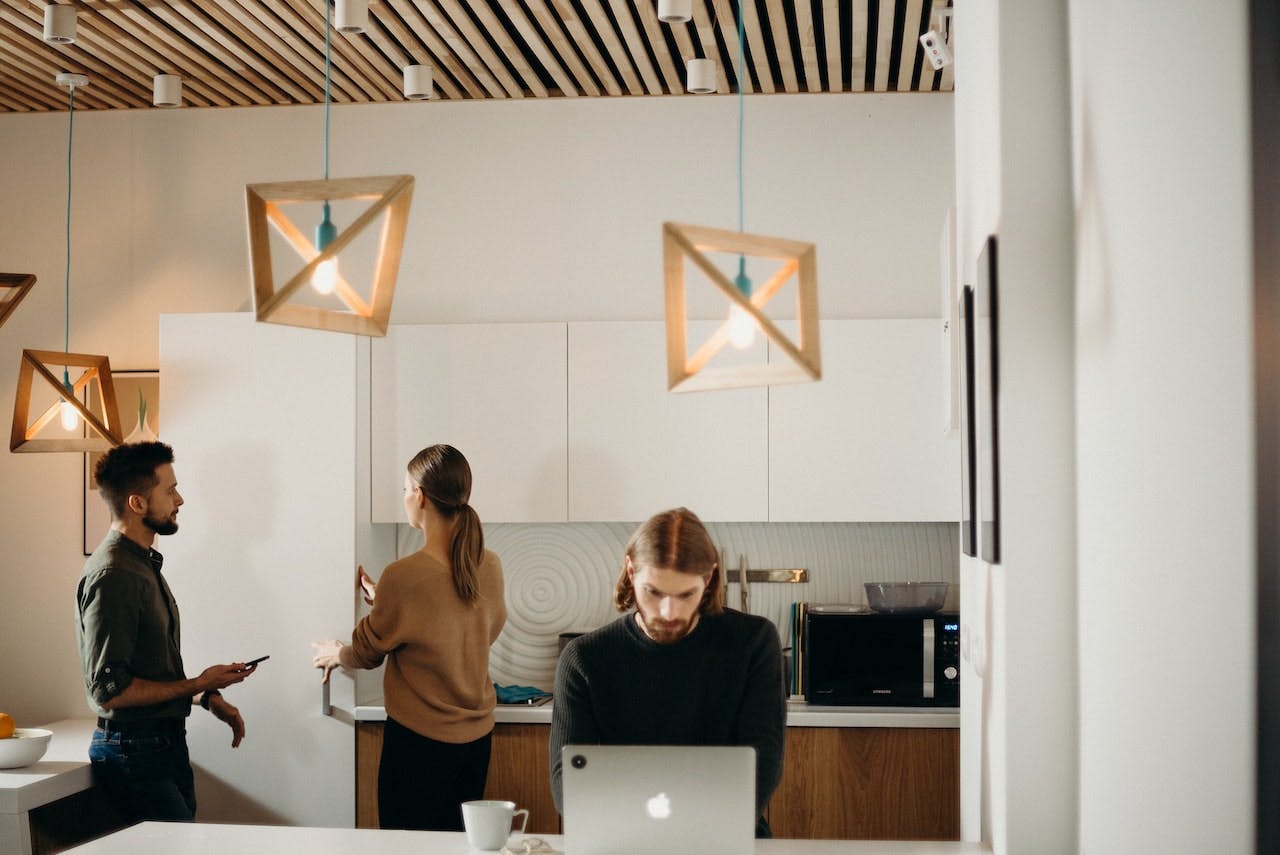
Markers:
point(906, 598)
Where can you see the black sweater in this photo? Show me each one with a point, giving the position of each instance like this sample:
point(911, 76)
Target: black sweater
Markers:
point(720, 685)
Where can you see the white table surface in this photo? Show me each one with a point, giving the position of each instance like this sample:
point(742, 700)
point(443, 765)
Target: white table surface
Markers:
point(163, 838)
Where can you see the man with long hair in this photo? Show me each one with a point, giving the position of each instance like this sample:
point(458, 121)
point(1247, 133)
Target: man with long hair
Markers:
point(678, 668)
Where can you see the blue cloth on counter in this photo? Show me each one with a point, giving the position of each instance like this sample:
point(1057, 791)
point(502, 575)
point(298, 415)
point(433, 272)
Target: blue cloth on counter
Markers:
point(518, 694)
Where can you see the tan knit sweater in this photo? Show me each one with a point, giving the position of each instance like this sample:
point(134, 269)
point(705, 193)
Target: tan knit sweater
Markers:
point(437, 647)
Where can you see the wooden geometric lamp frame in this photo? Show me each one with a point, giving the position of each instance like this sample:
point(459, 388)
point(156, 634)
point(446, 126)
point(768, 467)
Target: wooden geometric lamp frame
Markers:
point(391, 193)
point(34, 362)
point(689, 373)
point(16, 286)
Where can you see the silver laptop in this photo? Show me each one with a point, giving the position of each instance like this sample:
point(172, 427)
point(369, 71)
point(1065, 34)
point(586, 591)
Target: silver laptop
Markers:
point(676, 800)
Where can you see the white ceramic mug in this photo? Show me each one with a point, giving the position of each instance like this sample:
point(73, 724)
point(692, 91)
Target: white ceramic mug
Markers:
point(488, 823)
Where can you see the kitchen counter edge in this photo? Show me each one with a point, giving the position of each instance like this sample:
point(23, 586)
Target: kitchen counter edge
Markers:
point(799, 714)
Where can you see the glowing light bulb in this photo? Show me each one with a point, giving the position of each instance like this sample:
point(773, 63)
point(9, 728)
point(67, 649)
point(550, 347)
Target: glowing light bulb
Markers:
point(67, 413)
point(742, 327)
point(325, 277)
point(69, 416)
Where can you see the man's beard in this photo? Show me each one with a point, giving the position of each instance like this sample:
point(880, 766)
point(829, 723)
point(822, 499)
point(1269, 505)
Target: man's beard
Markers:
point(666, 632)
point(160, 526)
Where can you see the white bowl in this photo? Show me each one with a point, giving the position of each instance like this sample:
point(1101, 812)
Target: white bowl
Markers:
point(26, 746)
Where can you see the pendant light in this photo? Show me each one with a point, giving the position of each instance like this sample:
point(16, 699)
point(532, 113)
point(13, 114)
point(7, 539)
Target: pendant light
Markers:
point(68, 408)
point(681, 242)
point(13, 287)
point(392, 195)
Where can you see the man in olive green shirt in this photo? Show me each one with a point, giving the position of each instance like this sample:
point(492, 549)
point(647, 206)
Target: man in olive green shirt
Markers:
point(130, 652)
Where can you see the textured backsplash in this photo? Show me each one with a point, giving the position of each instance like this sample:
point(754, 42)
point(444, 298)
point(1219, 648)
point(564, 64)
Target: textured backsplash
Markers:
point(560, 576)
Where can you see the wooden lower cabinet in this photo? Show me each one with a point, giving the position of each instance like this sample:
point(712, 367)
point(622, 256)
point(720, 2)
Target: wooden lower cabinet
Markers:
point(869, 783)
point(838, 783)
point(519, 771)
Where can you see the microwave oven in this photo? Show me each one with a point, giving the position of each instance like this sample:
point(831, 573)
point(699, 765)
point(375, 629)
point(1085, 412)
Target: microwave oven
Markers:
point(853, 657)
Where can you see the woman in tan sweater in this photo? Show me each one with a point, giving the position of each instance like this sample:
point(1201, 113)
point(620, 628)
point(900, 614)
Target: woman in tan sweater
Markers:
point(435, 614)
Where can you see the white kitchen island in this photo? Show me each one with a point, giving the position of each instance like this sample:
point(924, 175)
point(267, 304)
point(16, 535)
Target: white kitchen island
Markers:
point(165, 838)
point(62, 771)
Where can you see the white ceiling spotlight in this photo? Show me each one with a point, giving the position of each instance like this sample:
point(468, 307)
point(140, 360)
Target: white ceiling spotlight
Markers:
point(417, 82)
point(675, 11)
point(701, 76)
point(59, 24)
point(937, 43)
point(166, 90)
point(350, 16)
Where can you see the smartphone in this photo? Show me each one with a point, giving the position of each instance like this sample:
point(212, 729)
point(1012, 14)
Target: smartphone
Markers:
point(253, 662)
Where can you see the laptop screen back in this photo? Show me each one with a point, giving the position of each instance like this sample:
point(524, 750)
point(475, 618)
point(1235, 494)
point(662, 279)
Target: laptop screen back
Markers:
point(678, 800)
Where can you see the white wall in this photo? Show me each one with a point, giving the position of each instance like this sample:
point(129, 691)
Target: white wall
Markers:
point(1116, 713)
point(522, 212)
point(265, 558)
point(1164, 315)
point(1019, 619)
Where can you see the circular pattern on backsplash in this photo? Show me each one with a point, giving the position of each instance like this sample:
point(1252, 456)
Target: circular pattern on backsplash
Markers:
point(558, 579)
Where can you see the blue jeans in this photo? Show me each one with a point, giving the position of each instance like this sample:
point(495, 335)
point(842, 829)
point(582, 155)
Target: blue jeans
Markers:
point(146, 775)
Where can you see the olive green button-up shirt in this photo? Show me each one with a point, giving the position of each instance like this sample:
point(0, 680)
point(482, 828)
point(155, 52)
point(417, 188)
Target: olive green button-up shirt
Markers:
point(128, 627)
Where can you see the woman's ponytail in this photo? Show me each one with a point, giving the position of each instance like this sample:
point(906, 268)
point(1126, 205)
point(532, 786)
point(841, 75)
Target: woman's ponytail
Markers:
point(444, 476)
point(465, 553)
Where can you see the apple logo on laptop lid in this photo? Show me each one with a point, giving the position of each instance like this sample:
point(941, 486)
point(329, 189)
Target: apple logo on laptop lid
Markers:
point(658, 807)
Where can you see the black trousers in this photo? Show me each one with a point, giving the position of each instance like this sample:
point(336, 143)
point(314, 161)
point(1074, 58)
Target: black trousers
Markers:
point(422, 783)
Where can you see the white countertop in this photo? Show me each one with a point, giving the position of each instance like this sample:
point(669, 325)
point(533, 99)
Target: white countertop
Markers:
point(63, 771)
point(163, 838)
point(799, 714)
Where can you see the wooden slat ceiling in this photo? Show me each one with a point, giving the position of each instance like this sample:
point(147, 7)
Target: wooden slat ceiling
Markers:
point(271, 52)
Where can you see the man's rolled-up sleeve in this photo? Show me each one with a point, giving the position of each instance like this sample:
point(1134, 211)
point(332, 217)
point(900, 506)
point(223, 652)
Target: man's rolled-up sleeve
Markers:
point(109, 612)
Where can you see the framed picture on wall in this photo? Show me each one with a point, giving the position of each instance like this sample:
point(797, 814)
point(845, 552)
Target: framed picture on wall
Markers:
point(968, 435)
point(987, 372)
point(138, 397)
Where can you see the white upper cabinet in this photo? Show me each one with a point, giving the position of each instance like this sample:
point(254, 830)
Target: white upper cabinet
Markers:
point(865, 443)
point(636, 449)
point(496, 392)
point(574, 422)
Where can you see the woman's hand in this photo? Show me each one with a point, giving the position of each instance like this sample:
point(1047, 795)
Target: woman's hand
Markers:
point(328, 656)
point(365, 584)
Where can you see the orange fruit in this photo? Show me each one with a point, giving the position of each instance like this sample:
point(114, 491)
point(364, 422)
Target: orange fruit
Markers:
point(6, 726)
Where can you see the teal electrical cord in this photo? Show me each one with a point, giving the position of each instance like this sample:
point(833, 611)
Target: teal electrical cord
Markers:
point(66, 329)
point(743, 283)
point(328, 62)
point(325, 231)
point(66, 282)
point(742, 69)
